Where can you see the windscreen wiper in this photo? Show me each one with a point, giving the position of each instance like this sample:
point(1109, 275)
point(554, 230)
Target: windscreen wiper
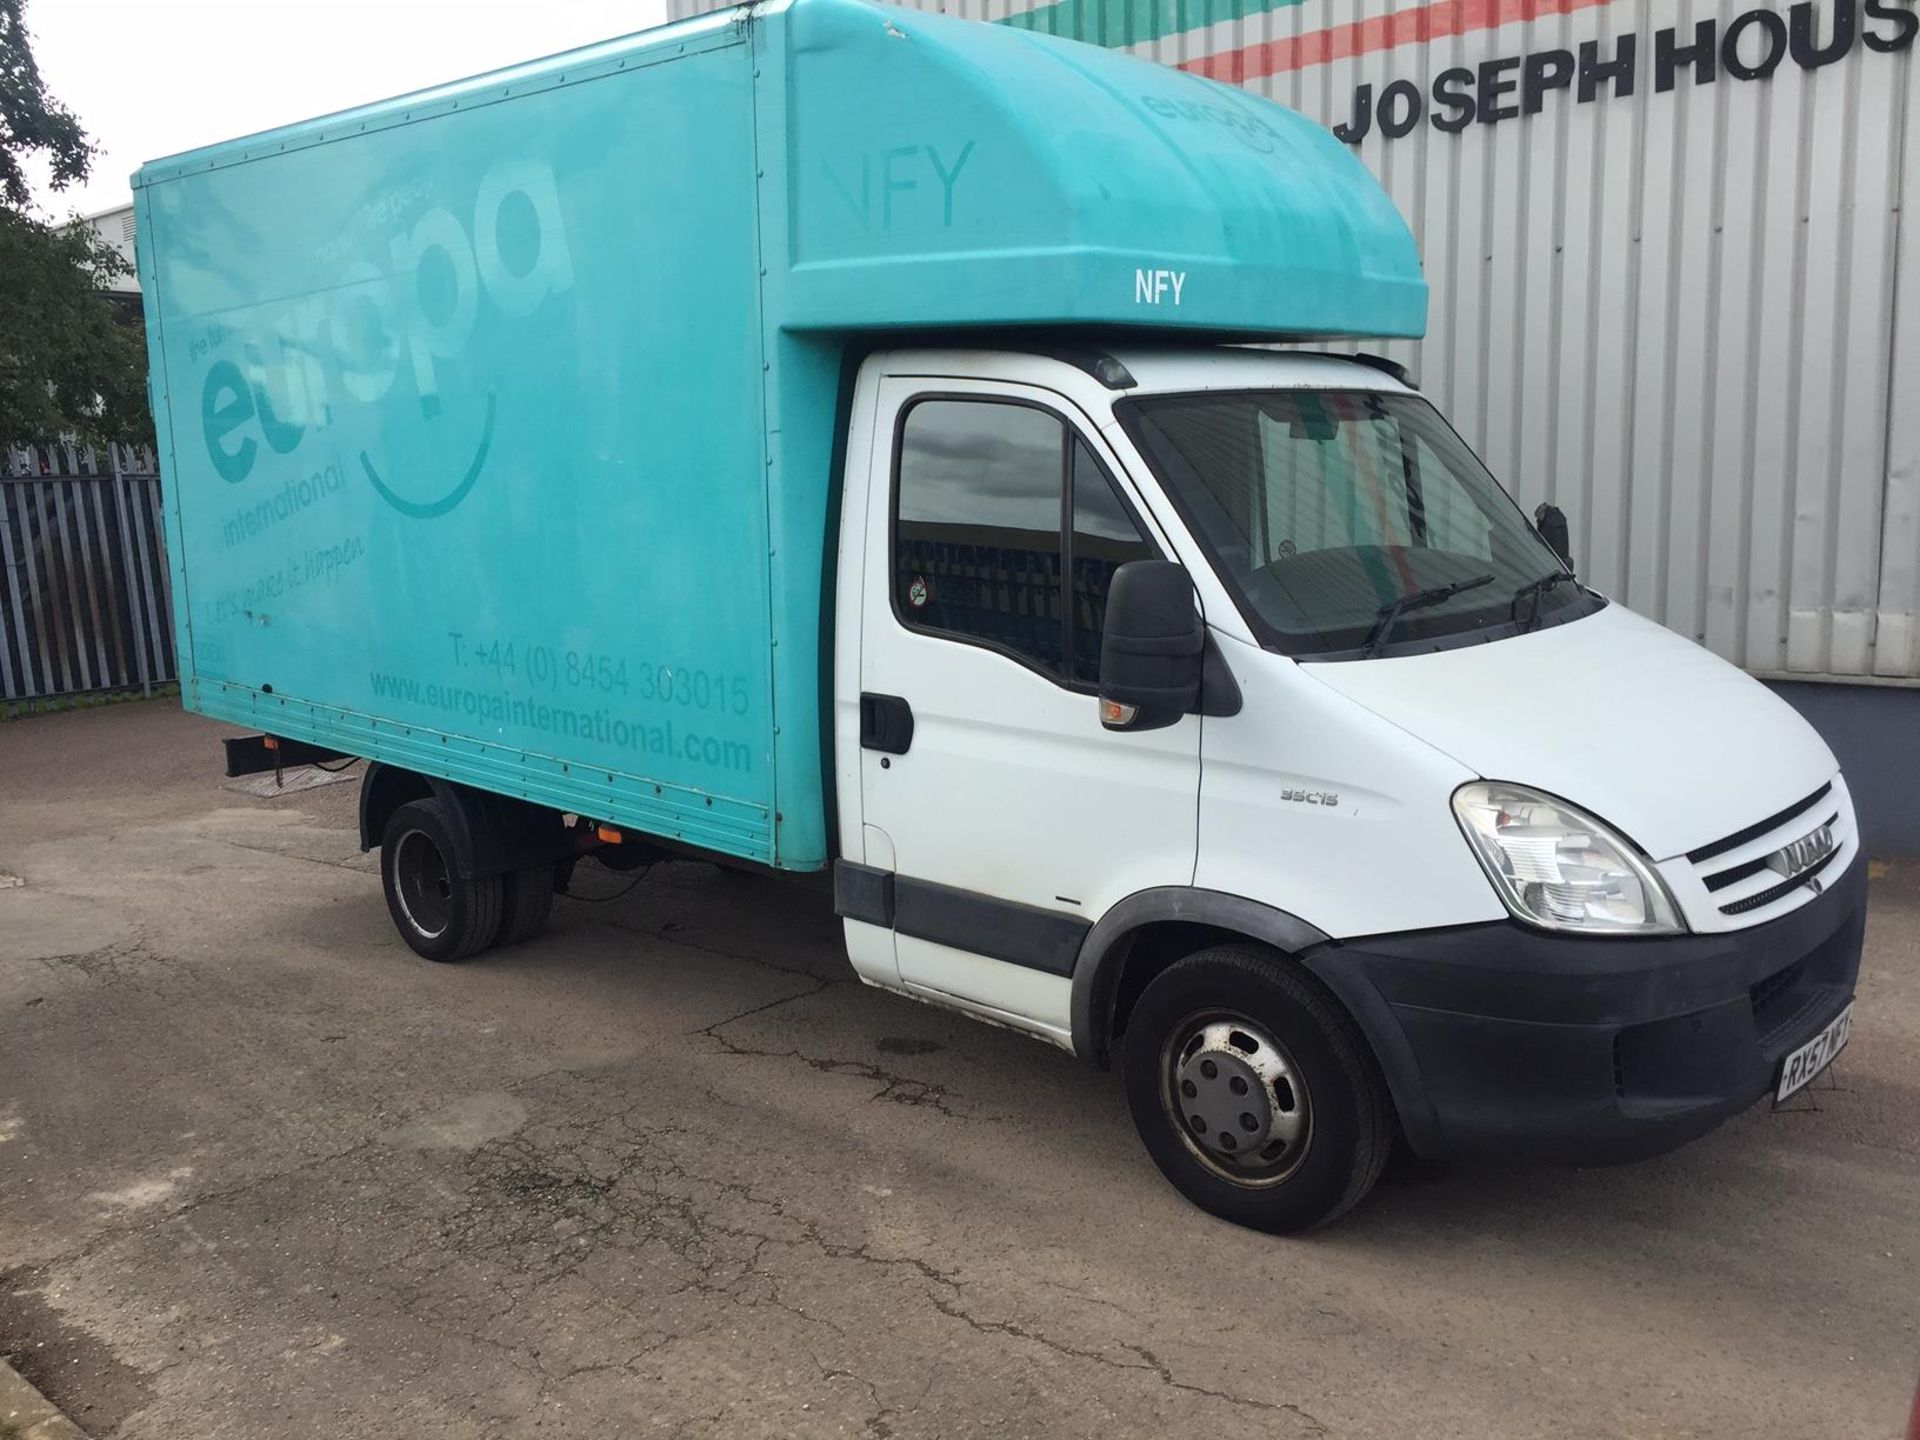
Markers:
point(1538, 590)
point(1389, 614)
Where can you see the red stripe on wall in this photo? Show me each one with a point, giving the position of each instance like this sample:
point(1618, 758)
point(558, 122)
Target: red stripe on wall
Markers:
point(1383, 32)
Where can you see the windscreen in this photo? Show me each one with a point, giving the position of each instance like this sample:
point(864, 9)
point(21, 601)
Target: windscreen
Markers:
point(1323, 508)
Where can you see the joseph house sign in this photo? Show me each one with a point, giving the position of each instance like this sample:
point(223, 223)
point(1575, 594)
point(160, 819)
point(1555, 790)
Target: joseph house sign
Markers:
point(1751, 45)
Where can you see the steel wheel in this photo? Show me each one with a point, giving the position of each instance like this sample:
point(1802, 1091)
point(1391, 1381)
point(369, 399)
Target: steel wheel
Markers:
point(422, 883)
point(1238, 1043)
point(1236, 1097)
point(441, 915)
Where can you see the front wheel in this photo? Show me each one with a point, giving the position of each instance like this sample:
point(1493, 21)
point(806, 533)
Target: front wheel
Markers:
point(1253, 1092)
point(439, 914)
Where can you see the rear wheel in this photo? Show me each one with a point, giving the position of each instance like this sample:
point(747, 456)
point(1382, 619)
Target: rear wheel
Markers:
point(439, 914)
point(526, 900)
point(1253, 1092)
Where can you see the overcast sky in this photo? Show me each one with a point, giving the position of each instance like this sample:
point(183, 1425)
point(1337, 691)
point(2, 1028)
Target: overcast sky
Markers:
point(153, 77)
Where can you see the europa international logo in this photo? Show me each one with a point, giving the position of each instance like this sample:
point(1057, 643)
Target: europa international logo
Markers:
point(391, 318)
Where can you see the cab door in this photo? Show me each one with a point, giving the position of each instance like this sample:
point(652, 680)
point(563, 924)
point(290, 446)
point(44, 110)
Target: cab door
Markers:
point(1010, 818)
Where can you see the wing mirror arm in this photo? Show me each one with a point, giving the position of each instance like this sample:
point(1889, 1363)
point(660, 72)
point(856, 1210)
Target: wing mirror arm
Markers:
point(1551, 522)
point(1219, 691)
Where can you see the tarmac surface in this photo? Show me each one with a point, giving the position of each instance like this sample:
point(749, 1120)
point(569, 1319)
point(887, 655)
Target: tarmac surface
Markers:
point(668, 1170)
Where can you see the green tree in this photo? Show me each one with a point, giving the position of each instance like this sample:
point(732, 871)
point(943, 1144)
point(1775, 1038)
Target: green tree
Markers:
point(68, 365)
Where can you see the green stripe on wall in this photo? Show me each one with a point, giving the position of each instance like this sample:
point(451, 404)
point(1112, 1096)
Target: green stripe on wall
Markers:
point(1119, 23)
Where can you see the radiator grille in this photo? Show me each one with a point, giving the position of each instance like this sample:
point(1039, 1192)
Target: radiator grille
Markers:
point(1777, 863)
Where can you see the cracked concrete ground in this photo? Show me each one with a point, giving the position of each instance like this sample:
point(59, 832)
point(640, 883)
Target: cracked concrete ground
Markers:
point(668, 1170)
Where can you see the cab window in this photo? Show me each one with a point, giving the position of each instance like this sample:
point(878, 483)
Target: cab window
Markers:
point(1104, 537)
point(1001, 513)
point(1325, 508)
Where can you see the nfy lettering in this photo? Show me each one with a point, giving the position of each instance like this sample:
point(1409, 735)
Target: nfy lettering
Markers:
point(1157, 287)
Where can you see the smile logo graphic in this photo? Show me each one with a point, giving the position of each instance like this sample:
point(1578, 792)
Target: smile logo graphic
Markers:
point(418, 510)
point(348, 343)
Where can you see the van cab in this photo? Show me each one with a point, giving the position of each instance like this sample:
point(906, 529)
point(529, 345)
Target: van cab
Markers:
point(1555, 883)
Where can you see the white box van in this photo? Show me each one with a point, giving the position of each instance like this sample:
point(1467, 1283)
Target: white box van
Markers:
point(808, 437)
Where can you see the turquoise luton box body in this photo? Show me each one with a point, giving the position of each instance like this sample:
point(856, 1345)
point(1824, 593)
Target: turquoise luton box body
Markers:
point(500, 423)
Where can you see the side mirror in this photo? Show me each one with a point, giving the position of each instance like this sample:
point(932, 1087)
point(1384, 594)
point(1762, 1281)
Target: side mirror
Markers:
point(1150, 654)
point(1551, 522)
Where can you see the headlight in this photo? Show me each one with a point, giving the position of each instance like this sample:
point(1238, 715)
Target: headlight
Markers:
point(1558, 867)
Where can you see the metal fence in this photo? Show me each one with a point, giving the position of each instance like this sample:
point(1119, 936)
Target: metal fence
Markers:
point(84, 600)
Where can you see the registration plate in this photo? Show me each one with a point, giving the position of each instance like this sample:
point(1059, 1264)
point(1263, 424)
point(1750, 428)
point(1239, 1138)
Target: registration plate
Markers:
point(1814, 1056)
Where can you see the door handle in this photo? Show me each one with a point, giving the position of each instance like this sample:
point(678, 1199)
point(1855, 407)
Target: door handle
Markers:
point(886, 723)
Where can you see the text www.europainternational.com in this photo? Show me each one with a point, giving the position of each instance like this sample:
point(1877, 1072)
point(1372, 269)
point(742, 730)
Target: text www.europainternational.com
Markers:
point(583, 722)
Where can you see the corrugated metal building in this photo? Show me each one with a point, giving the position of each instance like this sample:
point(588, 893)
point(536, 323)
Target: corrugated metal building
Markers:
point(1668, 251)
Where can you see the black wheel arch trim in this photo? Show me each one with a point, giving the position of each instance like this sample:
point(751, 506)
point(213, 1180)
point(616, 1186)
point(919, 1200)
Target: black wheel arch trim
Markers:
point(1103, 954)
point(1102, 960)
point(491, 833)
point(1388, 1041)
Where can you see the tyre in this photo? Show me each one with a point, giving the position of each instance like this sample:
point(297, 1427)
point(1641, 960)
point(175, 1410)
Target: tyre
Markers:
point(1253, 1091)
point(440, 915)
point(526, 900)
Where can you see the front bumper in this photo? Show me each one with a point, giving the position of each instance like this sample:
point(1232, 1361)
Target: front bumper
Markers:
point(1503, 1042)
